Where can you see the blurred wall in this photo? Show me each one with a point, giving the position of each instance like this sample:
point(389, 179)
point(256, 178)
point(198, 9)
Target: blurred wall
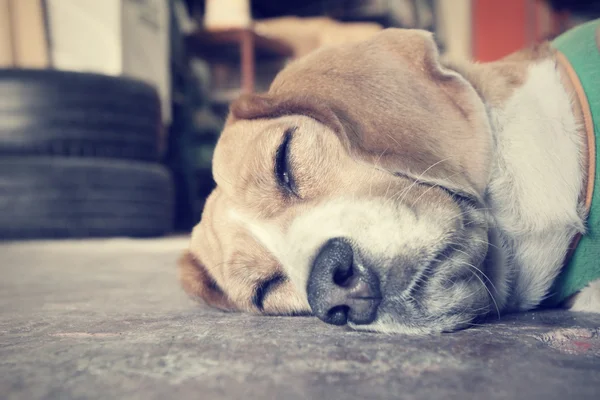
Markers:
point(502, 27)
point(453, 22)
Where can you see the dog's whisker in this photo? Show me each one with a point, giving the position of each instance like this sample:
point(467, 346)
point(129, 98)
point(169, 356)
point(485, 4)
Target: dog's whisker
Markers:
point(479, 270)
point(430, 188)
point(486, 242)
point(387, 190)
point(393, 139)
point(418, 179)
point(423, 194)
point(490, 293)
point(377, 165)
point(484, 285)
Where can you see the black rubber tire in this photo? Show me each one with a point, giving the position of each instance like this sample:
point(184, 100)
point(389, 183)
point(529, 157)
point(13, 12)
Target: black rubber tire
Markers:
point(61, 113)
point(83, 197)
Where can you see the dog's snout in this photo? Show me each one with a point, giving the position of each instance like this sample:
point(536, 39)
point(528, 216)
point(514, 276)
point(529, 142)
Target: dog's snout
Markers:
point(341, 288)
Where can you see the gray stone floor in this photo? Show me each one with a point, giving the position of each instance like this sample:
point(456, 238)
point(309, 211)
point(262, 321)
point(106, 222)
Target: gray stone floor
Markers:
point(106, 319)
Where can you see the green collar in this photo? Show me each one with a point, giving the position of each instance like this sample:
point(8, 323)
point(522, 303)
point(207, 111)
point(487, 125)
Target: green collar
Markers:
point(581, 50)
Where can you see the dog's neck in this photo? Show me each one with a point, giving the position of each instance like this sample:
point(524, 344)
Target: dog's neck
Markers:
point(538, 173)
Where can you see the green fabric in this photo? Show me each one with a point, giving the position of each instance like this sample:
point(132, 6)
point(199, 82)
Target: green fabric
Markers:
point(580, 48)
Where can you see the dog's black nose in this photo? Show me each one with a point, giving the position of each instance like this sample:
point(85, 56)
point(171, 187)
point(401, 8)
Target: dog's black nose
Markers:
point(340, 288)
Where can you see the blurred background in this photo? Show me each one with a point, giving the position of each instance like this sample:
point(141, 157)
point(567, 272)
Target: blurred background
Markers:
point(109, 110)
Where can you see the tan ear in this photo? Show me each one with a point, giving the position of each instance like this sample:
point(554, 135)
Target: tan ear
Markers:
point(393, 103)
point(199, 284)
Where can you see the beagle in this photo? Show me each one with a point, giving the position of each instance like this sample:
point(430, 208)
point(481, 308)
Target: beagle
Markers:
point(376, 187)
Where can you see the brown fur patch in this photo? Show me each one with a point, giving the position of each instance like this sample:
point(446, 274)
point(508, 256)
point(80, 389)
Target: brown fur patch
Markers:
point(197, 282)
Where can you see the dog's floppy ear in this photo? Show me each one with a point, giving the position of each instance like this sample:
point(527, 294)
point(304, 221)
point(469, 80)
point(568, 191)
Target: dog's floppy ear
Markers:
point(197, 282)
point(393, 103)
point(464, 135)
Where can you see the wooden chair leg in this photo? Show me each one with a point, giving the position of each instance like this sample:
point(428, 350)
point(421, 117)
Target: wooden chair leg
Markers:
point(247, 59)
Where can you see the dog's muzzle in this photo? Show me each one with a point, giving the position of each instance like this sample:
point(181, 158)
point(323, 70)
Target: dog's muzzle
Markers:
point(341, 288)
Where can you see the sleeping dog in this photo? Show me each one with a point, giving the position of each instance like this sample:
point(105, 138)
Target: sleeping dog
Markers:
point(374, 186)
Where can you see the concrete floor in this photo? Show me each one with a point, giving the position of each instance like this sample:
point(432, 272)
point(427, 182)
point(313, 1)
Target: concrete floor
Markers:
point(106, 319)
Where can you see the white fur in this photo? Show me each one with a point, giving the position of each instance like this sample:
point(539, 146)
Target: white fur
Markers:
point(588, 300)
point(385, 229)
point(536, 182)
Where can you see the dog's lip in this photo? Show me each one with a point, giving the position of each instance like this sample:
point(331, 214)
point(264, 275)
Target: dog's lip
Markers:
point(420, 274)
point(409, 306)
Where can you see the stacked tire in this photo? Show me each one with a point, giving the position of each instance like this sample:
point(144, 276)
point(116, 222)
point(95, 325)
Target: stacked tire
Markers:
point(79, 157)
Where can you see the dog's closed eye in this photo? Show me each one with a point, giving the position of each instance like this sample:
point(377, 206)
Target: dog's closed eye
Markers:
point(262, 290)
point(283, 170)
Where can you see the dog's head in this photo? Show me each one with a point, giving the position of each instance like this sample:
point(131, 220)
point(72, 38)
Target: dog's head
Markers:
point(352, 190)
